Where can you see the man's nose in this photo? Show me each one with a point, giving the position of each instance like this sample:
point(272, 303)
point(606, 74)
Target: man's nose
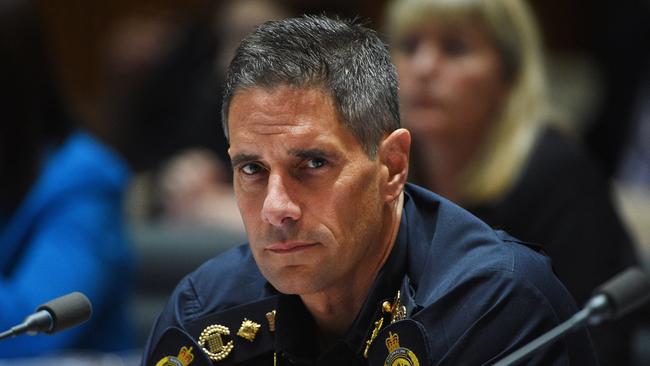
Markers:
point(279, 208)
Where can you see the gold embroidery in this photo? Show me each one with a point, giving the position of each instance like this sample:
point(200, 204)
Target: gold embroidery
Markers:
point(248, 329)
point(375, 331)
point(216, 349)
point(270, 317)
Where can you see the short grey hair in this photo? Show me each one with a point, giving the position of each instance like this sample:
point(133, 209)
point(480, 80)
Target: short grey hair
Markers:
point(342, 57)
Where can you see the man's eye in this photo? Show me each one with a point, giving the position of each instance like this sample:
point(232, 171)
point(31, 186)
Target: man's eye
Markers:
point(250, 169)
point(316, 163)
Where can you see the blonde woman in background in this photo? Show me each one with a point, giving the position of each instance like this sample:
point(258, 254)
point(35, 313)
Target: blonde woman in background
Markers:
point(473, 96)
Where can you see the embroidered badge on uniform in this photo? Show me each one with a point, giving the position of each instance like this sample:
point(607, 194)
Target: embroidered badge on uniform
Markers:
point(211, 342)
point(373, 335)
point(184, 358)
point(270, 317)
point(399, 356)
point(248, 329)
point(395, 310)
point(175, 347)
point(405, 343)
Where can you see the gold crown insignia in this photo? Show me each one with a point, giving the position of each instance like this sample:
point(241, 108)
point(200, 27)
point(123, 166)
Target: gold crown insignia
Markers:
point(392, 342)
point(185, 356)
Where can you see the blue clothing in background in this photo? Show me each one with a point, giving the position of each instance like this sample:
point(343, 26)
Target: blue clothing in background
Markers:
point(68, 235)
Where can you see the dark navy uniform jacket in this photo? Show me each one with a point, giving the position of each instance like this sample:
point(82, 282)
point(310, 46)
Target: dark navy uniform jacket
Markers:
point(471, 295)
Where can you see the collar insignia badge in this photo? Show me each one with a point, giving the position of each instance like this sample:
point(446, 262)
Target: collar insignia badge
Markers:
point(248, 330)
point(399, 356)
point(397, 310)
point(270, 317)
point(184, 358)
point(211, 342)
point(375, 331)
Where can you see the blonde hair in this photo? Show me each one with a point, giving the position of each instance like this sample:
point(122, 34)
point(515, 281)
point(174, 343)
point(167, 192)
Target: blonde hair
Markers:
point(511, 138)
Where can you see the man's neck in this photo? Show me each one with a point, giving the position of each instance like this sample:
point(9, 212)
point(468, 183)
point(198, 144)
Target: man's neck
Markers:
point(334, 310)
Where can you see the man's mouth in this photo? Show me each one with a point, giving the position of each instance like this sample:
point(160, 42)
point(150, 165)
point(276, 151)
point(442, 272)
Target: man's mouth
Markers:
point(289, 247)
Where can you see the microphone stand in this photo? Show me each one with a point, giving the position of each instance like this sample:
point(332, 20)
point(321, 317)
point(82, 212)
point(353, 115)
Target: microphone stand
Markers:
point(40, 321)
point(55, 315)
point(626, 291)
point(596, 311)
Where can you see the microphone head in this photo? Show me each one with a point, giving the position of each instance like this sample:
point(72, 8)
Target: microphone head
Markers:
point(67, 311)
point(627, 291)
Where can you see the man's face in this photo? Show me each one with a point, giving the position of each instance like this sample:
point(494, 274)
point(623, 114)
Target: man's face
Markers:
point(309, 196)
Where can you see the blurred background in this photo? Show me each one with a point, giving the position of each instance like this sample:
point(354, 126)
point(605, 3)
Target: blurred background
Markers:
point(137, 85)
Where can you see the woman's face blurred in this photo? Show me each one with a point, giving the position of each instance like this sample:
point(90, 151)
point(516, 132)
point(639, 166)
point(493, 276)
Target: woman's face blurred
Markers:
point(451, 81)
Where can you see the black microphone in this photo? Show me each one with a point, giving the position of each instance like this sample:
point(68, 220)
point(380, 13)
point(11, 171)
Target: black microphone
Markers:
point(615, 298)
point(624, 293)
point(58, 314)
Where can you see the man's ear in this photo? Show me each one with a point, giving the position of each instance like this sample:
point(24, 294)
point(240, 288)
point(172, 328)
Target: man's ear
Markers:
point(394, 155)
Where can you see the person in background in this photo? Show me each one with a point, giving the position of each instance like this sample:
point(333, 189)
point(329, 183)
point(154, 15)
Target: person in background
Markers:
point(473, 95)
point(61, 224)
point(62, 220)
point(196, 186)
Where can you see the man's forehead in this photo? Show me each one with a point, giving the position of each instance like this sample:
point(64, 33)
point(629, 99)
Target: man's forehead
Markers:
point(285, 119)
point(281, 109)
point(288, 140)
point(281, 97)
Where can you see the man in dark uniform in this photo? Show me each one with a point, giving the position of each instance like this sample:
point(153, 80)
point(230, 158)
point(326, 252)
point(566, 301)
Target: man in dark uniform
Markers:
point(346, 263)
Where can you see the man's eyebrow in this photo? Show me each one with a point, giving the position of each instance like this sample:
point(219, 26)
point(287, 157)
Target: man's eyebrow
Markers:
point(240, 158)
point(311, 153)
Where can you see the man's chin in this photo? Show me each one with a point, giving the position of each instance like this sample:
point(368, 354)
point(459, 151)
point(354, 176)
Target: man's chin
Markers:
point(295, 283)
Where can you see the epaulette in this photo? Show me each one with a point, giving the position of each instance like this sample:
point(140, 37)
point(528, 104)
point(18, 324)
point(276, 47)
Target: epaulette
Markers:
point(237, 334)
